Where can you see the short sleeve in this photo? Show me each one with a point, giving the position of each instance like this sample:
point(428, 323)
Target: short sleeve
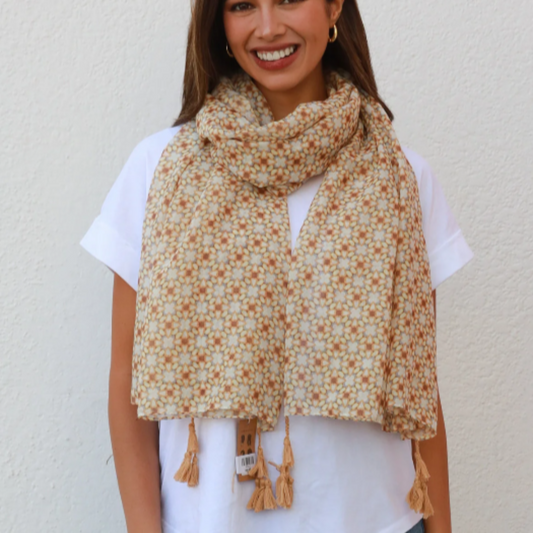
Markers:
point(447, 248)
point(115, 235)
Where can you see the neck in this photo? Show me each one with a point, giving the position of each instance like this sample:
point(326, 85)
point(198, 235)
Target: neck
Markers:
point(310, 89)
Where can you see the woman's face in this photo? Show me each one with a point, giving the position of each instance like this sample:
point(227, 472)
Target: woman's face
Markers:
point(280, 43)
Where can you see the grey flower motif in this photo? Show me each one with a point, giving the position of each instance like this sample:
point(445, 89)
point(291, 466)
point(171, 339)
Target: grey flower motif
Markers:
point(327, 246)
point(233, 340)
point(344, 263)
point(301, 360)
point(222, 256)
point(299, 393)
point(270, 278)
point(312, 228)
point(320, 346)
point(353, 347)
point(153, 393)
point(169, 308)
point(204, 273)
point(201, 341)
point(207, 240)
point(349, 381)
point(340, 296)
point(238, 273)
point(267, 311)
point(362, 396)
point(167, 342)
point(370, 330)
point(201, 307)
point(338, 330)
point(373, 298)
point(247, 357)
point(317, 379)
point(273, 246)
point(332, 396)
point(219, 291)
point(324, 278)
point(185, 324)
point(305, 326)
point(322, 311)
point(234, 307)
point(367, 362)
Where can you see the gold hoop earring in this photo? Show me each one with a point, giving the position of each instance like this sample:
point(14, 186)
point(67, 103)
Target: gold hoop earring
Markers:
point(334, 38)
point(228, 52)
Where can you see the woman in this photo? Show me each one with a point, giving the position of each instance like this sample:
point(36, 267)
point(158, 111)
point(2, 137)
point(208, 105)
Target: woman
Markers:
point(279, 97)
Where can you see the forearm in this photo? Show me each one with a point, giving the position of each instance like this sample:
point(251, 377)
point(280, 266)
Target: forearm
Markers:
point(434, 452)
point(136, 456)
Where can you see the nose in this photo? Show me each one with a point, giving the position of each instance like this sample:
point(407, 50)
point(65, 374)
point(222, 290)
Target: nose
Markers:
point(269, 24)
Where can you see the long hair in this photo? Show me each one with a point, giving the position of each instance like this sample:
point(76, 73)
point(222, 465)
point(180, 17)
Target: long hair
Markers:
point(206, 59)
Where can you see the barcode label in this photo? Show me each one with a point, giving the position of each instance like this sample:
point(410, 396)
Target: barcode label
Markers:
point(244, 463)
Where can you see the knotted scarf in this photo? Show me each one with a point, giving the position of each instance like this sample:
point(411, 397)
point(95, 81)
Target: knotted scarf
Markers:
point(232, 323)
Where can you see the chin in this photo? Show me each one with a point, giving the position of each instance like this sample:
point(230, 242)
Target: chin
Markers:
point(277, 82)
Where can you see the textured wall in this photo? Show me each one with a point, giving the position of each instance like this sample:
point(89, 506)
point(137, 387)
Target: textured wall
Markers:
point(82, 82)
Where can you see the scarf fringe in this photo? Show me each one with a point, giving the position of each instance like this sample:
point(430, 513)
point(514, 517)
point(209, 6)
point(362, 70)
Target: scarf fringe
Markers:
point(285, 482)
point(189, 472)
point(418, 496)
point(263, 496)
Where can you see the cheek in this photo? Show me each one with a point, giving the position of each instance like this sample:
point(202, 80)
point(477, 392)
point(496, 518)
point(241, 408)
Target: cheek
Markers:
point(312, 25)
point(234, 29)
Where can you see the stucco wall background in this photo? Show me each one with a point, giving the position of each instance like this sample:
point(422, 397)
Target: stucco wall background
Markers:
point(82, 82)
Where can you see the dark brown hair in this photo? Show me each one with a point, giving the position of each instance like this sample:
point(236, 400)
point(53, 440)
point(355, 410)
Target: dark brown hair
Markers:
point(206, 59)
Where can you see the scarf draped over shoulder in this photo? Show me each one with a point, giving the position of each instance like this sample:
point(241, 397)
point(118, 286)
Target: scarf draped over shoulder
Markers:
point(232, 323)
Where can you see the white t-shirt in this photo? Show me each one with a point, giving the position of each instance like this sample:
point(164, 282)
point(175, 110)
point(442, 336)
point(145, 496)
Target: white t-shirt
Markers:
point(349, 477)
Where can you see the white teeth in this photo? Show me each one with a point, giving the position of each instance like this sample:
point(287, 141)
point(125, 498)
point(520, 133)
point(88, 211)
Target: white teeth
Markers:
point(278, 54)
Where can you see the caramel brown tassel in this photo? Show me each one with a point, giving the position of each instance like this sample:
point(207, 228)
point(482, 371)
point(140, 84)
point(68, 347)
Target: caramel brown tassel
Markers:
point(263, 496)
point(284, 483)
point(188, 472)
point(194, 475)
point(418, 496)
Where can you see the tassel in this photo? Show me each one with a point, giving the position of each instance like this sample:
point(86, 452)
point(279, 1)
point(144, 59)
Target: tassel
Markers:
point(284, 487)
point(418, 496)
point(284, 483)
point(263, 496)
point(194, 476)
point(188, 472)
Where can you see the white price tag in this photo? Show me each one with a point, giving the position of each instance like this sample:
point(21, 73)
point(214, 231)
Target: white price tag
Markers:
point(244, 463)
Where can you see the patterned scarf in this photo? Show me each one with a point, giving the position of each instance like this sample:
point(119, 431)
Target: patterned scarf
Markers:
point(231, 322)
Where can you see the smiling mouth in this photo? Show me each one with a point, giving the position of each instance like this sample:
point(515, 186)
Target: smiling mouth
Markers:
point(277, 55)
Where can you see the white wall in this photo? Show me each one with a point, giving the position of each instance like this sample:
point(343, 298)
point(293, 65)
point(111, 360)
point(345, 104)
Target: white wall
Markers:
point(82, 82)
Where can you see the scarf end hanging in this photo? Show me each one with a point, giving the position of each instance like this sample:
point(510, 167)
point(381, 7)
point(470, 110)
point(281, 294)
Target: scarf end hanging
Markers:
point(418, 496)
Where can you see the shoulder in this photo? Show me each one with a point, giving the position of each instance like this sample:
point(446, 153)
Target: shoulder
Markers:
point(420, 166)
point(447, 248)
point(115, 236)
point(430, 191)
point(145, 156)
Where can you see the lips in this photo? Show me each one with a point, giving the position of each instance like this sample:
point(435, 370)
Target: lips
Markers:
point(271, 58)
point(276, 54)
point(273, 48)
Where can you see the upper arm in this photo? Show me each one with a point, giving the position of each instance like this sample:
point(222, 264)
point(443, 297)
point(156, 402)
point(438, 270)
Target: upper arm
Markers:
point(122, 327)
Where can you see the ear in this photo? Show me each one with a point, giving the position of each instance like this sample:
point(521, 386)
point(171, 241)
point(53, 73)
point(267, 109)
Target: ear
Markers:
point(335, 8)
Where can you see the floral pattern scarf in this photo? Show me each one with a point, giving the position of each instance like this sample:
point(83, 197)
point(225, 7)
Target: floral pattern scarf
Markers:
point(232, 323)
